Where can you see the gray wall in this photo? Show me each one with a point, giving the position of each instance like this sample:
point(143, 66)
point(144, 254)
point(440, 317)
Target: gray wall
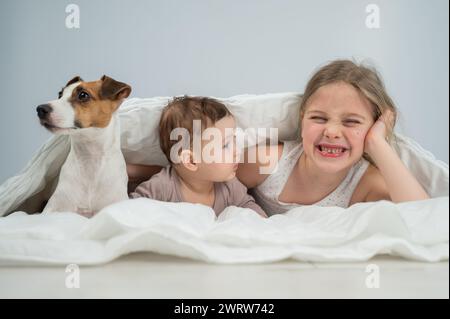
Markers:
point(219, 48)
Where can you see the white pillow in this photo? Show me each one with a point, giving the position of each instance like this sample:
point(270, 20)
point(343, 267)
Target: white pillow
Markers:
point(140, 117)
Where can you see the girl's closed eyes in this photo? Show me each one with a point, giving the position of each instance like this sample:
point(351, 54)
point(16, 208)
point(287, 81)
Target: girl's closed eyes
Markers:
point(347, 122)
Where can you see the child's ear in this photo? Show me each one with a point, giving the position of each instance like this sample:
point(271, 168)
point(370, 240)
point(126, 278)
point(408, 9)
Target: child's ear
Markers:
point(186, 159)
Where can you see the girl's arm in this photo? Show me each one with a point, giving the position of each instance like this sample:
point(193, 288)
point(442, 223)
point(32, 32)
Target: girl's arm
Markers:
point(257, 164)
point(401, 185)
point(139, 173)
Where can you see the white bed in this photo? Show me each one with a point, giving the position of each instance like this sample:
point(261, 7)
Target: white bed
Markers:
point(415, 230)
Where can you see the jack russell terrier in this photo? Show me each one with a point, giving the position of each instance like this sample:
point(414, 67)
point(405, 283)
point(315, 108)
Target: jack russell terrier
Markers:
point(94, 173)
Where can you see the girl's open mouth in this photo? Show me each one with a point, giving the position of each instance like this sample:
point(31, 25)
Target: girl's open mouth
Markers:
point(331, 151)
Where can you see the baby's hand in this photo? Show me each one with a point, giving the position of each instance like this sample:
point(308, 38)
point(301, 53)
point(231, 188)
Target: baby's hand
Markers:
point(378, 132)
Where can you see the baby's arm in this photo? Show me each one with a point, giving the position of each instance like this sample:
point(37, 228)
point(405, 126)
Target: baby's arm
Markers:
point(240, 198)
point(154, 188)
point(249, 202)
point(401, 185)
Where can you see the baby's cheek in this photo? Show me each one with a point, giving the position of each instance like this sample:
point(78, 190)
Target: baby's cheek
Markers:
point(219, 172)
point(227, 155)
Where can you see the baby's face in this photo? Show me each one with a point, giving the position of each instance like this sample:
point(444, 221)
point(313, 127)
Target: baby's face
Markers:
point(336, 120)
point(220, 156)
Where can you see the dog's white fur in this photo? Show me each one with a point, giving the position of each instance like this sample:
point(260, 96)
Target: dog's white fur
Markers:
point(94, 173)
point(63, 114)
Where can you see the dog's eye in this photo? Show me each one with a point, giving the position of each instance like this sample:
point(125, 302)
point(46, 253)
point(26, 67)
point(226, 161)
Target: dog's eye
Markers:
point(83, 96)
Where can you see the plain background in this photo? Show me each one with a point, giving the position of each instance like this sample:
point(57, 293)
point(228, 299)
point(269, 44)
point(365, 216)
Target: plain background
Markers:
point(218, 48)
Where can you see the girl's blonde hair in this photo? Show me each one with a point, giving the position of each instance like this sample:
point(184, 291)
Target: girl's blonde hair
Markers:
point(365, 79)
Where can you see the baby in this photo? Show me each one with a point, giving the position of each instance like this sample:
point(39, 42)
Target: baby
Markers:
point(202, 170)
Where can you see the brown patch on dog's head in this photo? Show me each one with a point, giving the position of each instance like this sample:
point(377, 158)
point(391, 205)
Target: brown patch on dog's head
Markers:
point(95, 102)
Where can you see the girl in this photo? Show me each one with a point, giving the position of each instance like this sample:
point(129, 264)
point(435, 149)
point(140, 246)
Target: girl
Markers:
point(343, 156)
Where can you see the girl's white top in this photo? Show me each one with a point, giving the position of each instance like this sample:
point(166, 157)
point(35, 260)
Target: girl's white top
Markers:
point(266, 194)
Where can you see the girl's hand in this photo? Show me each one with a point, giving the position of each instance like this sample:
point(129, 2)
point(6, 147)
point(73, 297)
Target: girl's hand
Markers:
point(378, 132)
point(398, 182)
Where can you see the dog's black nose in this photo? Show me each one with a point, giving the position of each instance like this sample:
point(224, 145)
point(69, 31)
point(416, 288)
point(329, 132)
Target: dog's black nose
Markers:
point(43, 110)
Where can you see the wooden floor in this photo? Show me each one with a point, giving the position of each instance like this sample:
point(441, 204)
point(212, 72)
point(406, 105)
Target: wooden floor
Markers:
point(147, 275)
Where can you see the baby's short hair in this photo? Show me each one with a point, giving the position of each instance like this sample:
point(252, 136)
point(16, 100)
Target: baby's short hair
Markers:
point(182, 111)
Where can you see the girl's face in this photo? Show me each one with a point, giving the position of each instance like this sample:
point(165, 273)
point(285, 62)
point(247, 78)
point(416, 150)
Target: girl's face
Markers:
point(334, 126)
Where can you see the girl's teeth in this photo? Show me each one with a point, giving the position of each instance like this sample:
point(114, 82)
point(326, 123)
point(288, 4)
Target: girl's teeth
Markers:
point(332, 150)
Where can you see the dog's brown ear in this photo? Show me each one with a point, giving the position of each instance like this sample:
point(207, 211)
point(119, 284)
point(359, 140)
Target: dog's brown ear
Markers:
point(114, 90)
point(74, 80)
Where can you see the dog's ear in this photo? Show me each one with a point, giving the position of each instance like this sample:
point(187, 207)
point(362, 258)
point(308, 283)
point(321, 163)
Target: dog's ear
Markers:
point(114, 90)
point(74, 80)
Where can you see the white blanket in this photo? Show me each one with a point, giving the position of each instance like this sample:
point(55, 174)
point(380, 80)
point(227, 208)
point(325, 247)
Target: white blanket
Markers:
point(416, 230)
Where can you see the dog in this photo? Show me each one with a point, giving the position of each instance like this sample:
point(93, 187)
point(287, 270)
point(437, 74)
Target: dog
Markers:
point(94, 173)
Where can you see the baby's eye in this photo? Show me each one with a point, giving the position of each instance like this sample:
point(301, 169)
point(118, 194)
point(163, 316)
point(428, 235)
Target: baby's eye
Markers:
point(226, 145)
